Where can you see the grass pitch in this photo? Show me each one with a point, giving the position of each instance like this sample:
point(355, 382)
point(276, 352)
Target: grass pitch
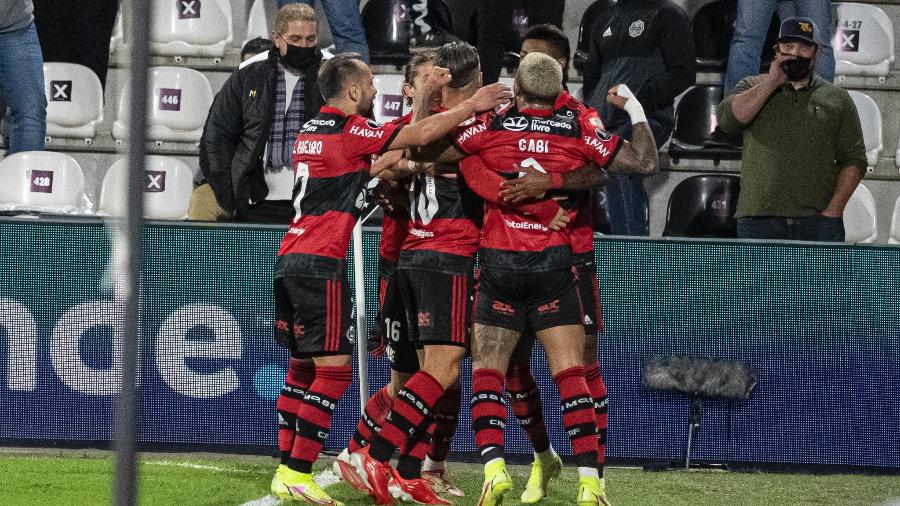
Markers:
point(85, 478)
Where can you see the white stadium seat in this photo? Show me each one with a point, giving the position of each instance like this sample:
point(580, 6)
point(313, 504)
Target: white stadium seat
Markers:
point(167, 188)
point(74, 100)
point(864, 41)
point(389, 103)
point(895, 224)
point(179, 102)
point(257, 25)
point(860, 221)
point(576, 90)
point(897, 155)
point(870, 119)
point(43, 182)
point(191, 28)
point(117, 39)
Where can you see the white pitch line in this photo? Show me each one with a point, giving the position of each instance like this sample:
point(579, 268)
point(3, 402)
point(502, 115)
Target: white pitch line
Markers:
point(195, 466)
point(325, 479)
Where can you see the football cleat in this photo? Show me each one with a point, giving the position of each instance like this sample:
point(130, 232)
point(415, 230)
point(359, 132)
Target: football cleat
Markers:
point(301, 487)
point(592, 492)
point(417, 490)
point(536, 488)
point(440, 483)
point(496, 483)
point(367, 474)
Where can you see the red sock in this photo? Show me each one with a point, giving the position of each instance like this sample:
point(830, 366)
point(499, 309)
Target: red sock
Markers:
point(376, 410)
point(410, 415)
point(526, 403)
point(446, 414)
point(598, 392)
point(412, 453)
point(579, 420)
point(488, 413)
point(314, 417)
point(299, 376)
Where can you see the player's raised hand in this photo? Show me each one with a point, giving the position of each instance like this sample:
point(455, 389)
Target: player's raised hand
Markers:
point(530, 184)
point(618, 95)
point(490, 96)
point(560, 220)
point(436, 79)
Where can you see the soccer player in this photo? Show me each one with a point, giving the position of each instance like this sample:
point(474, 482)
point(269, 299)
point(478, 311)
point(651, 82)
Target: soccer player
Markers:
point(526, 266)
point(332, 157)
point(435, 276)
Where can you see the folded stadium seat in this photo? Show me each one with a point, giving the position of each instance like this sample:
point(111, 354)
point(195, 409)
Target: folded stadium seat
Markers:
point(167, 188)
point(389, 103)
point(860, 220)
point(864, 41)
point(695, 119)
point(870, 118)
point(600, 210)
point(895, 224)
point(74, 101)
point(703, 206)
point(586, 30)
point(712, 27)
point(257, 24)
point(191, 28)
point(117, 39)
point(387, 24)
point(180, 101)
point(42, 182)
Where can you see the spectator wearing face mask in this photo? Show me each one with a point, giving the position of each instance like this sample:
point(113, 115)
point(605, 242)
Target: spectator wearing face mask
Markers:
point(245, 152)
point(803, 146)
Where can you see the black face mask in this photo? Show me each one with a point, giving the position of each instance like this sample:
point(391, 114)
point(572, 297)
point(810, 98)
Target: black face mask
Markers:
point(301, 58)
point(799, 69)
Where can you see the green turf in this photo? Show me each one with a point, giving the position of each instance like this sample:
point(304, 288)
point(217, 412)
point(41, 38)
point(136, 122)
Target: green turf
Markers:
point(84, 478)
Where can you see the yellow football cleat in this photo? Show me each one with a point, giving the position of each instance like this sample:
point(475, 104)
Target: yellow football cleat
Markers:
point(301, 487)
point(496, 483)
point(592, 492)
point(536, 488)
point(279, 489)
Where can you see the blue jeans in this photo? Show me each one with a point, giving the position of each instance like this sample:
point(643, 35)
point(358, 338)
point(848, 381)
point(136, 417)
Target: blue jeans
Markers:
point(626, 201)
point(805, 228)
point(752, 25)
point(22, 89)
point(345, 22)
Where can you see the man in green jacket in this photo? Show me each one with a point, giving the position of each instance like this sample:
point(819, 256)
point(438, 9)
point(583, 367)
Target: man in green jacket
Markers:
point(803, 153)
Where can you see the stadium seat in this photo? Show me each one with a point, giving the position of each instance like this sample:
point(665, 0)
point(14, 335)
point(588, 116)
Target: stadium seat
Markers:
point(42, 182)
point(864, 40)
point(712, 27)
point(585, 31)
point(191, 28)
point(703, 206)
point(257, 24)
point(600, 210)
point(895, 224)
point(389, 26)
point(180, 100)
point(695, 116)
point(167, 188)
point(870, 118)
point(577, 90)
point(117, 39)
point(74, 100)
point(389, 103)
point(860, 220)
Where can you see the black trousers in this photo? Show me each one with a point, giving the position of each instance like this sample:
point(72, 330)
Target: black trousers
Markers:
point(495, 30)
point(76, 31)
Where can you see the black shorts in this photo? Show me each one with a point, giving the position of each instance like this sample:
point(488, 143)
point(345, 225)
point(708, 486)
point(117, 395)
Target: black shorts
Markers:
point(401, 352)
point(520, 300)
point(589, 292)
point(438, 305)
point(313, 316)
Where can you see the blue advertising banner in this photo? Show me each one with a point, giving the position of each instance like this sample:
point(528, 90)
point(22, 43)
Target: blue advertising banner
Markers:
point(821, 325)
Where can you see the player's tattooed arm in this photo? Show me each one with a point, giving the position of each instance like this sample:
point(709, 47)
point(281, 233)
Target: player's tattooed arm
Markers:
point(493, 346)
point(638, 156)
point(533, 183)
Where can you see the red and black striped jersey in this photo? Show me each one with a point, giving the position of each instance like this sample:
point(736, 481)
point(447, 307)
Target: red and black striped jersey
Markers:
point(394, 229)
point(332, 157)
point(557, 140)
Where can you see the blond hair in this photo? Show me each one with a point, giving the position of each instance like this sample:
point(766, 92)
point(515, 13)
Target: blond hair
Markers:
point(293, 12)
point(539, 77)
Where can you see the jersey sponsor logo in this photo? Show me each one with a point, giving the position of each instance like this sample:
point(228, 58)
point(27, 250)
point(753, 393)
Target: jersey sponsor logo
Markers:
point(546, 125)
point(299, 330)
point(525, 225)
point(421, 234)
point(298, 231)
point(550, 307)
point(636, 29)
point(308, 147)
point(365, 132)
point(587, 320)
point(608, 32)
point(515, 123)
point(603, 134)
point(373, 124)
point(282, 325)
point(597, 144)
point(534, 145)
point(469, 132)
point(503, 308)
point(424, 319)
point(312, 124)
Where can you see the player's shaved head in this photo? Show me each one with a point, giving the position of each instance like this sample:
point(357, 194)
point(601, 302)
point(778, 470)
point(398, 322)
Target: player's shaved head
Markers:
point(539, 78)
point(462, 61)
point(339, 71)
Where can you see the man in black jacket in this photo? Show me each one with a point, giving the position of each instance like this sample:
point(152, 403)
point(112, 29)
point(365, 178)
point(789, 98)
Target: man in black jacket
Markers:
point(646, 44)
point(245, 152)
